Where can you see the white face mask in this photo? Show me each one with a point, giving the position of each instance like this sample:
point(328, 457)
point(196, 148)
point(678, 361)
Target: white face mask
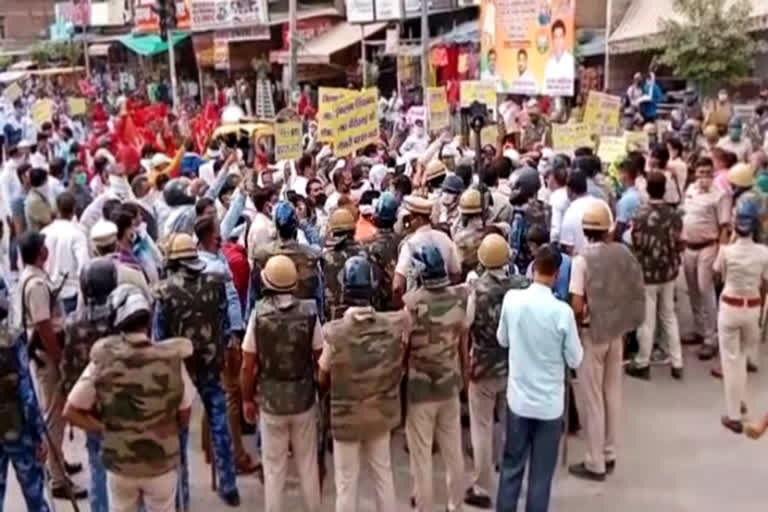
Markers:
point(722, 97)
point(448, 199)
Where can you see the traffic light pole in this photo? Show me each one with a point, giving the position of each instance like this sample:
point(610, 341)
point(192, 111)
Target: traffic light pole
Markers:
point(172, 70)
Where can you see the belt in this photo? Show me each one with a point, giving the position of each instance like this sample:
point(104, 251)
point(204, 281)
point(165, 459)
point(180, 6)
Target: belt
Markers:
point(741, 302)
point(699, 245)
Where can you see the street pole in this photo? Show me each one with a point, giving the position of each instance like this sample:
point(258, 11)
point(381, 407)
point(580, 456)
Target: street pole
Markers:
point(294, 55)
point(172, 69)
point(85, 52)
point(363, 60)
point(607, 65)
point(424, 56)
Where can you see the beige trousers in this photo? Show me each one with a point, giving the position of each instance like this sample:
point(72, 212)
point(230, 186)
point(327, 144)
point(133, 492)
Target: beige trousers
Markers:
point(300, 432)
point(425, 423)
point(659, 306)
point(158, 492)
point(697, 266)
point(483, 396)
point(346, 461)
point(598, 398)
point(739, 334)
point(48, 384)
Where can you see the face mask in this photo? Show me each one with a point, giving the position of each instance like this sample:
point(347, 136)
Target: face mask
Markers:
point(448, 199)
point(80, 178)
point(735, 134)
point(320, 200)
point(722, 98)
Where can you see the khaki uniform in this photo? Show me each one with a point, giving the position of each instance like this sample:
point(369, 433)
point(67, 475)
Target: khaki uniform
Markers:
point(434, 379)
point(705, 212)
point(743, 266)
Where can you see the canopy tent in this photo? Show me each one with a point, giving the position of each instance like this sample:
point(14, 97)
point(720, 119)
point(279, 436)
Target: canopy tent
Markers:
point(151, 44)
point(320, 49)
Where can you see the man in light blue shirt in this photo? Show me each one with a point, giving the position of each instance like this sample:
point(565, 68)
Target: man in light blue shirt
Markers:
point(631, 168)
point(540, 332)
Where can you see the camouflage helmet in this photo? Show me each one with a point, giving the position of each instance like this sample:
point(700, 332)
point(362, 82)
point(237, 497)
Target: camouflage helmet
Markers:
point(358, 277)
point(280, 274)
point(386, 207)
point(741, 175)
point(431, 267)
point(98, 279)
point(471, 202)
point(176, 192)
point(493, 251)
point(285, 218)
point(181, 248)
point(341, 221)
point(126, 303)
point(597, 216)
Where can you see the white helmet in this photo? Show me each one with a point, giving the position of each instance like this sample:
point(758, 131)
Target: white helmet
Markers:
point(126, 302)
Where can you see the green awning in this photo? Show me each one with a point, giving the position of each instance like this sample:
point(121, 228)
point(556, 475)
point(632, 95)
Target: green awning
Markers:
point(151, 44)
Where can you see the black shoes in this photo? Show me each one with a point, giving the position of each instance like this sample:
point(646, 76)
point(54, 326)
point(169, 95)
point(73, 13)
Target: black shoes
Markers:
point(677, 373)
point(477, 500)
point(69, 492)
point(610, 465)
point(734, 426)
point(581, 471)
point(707, 352)
point(638, 372)
point(231, 498)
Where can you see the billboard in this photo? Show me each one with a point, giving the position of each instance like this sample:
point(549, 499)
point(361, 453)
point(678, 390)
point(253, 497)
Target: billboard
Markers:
point(527, 47)
point(145, 20)
point(220, 14)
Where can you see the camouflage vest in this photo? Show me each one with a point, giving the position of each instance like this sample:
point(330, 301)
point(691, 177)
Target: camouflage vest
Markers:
point(366, 368)
point(533, 213)
point(334, 258)
point(303, 256)
point(382, 252)
point(467, 239)
point(11, 417)
point(284, 346)
point(192, 308)
point(490, 359)
point(81, 330)
point(439, 317)
point(139, 389)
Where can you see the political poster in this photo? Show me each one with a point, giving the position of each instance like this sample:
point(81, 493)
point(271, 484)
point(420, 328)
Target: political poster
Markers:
point(601, 113)
point(220, 54)
point(287, 140)
point(12, 92)
point(76, 106)
point(637, 140)
point(482, 91)
point(356, 121)
point(439, 112)
point(42, 111)
point(222, 14)
point(527, 47)
point(145, 20)
point(566, 138)
point(611, 148)
point(327, 98)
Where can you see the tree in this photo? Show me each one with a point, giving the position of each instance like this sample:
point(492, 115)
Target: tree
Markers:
point(708, 43)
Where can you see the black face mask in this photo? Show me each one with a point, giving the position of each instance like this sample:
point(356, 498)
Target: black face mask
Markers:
point(320, 200)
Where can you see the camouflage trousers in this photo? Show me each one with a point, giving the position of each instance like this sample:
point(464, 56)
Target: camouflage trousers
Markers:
point(29, 473)
point(97, 496)
point(215, 403)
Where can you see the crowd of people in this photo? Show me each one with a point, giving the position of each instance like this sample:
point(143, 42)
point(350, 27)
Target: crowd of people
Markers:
point(331, 300)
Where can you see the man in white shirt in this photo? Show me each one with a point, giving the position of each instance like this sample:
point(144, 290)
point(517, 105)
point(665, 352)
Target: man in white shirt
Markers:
point(558, 200)
point(571, 231)
point(262, 230)
point(560, 70)
point(68, 247)
point(417, 141)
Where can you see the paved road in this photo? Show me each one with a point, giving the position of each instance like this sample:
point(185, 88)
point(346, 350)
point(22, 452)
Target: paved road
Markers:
point(675, 457)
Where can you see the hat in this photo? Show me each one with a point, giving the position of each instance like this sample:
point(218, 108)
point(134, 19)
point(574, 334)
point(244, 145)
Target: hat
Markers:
point(159, 159)
point(181, 248)
point(104, 233)
point(26, 143)
point(741, 175)
point(453, 184)
point(435, 169)
point(418, 205)
point(126, 302)
point(513, 155)
point(280, 274)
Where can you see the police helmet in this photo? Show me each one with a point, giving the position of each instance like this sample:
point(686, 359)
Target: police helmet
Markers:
point(493, 251)
point(747, 216)
point(285, 219)
point(431, 267)
point(280, 274)
point(453, 184)
point(176, 192)
point(741, 175)
point(341, 221)
point(98, 279)
point(386, 208)
point(127, 302)
point(471, 202)
point(358, 277)
point(597, 216)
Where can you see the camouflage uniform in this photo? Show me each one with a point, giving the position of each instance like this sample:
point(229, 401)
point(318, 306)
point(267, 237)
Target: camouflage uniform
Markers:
point(532, 213)
point(382, 253)
point(434, 379)
point(334, 255)
point(283, 334)
point(467, 239)
point(365, 363)
point(82, 329)
point(194, 305)
point(489, 370)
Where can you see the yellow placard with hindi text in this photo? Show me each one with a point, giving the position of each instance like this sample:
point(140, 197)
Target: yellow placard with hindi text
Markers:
point(76, 106)
point(602, 113)
point(356, 121)
point(287, 140)
point(439, 112)
point(477, 90)
point(636, 140)
point(42, 111)
point(566, 138)
point(326, 119)
point(611, 148)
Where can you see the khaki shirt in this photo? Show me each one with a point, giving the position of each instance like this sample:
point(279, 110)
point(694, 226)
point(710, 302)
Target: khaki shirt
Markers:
point(36, 301)
point(705, 212)
point(743, 265)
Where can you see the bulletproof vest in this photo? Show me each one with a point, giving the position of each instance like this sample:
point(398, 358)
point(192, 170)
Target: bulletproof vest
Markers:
point(11, 417)
point(81, 330)
point(303, 256)
point(333, 273)
point(533, 213)
point(284, 347)
point(490, 359)
point(439, 316)
point(615, 291)
point(192, 309)
point(366, 368)
point(139, 390)
point(467, 239)
point(382, 253)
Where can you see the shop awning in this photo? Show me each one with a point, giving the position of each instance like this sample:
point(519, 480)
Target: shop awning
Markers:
point(320, 49)
point(99, 49)
point(150, 44)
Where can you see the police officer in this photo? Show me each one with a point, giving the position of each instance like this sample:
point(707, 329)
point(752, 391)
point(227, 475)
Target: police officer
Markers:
point(82, 329)
point(282, 342)
point(438, 366)
point(488, 361)
point(434, 176)
point(469, 229)
point(362, 355)
point(743, 267)
point(446, 210)
point(22, 431)
point(605, 311)
point(382, 251)
point(140, 411)
point(340, 245)
point(192, 303)
point(528, 211)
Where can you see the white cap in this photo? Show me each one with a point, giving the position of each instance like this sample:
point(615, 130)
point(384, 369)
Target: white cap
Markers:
point(26, 143)
point(512, 154)
point(159, 159)
point(103, 233)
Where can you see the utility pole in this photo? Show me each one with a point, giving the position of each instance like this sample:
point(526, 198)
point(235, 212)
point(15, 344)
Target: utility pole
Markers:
point(293, 59)
point(166, 15)
point(172, 69)
point(425, 57)
point(363, 59)
point(607, 65)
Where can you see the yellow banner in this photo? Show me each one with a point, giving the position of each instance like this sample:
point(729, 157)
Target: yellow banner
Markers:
point(611, 148)
point(476, 90)
point(42, 111)
point(439, 113)
point(636, 140)
point(356, 121)
point(566, 138)
point(77, 106)
point(602, 113)
point(287, 140)
point(326, 120)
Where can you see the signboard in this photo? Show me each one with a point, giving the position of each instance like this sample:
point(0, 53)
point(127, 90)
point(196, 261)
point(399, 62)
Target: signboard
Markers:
point(220, 54)
point(744, 112)
point(637, 140)
point(42, 111)
point(527, 47)
point(252, 33)
point(566, 138)
point(413, 7)
point(76, 12)
point(146, 21)
point(287, 140)
point(357, 121)
point(601, 113)
point(12, 92)
point(439, 112)
point(368, 11)
point(220, 14)
point(76, 106)
point(611, 148)
point(203, 45)
point(326, 102)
